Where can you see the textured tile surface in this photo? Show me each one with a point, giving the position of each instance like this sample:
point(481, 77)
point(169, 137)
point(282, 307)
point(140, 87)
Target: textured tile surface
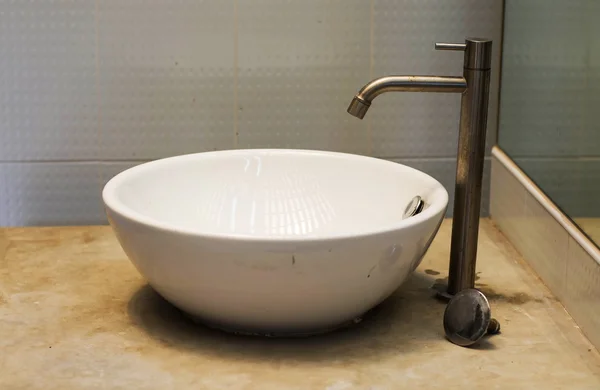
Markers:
point(77, 310)
point(166, 82)
point(544, 245)
point(404, 32)
point(444, 171)
point(50, 194)
point(47, 81)
point(300, 63)
point(109, 169)
point(507, 203)
point(138, 80)
point(583, 291)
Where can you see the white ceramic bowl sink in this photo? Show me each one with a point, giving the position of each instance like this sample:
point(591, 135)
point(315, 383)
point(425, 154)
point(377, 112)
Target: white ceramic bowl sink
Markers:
point(273, 241)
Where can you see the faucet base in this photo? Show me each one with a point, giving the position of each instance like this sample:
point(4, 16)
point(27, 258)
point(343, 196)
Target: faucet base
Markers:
point(441, 292)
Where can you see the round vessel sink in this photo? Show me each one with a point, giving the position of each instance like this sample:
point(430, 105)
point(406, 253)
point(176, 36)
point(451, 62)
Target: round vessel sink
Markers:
point(280, 242)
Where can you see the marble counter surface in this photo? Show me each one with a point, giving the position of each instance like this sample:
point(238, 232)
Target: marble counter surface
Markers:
point(75, 314)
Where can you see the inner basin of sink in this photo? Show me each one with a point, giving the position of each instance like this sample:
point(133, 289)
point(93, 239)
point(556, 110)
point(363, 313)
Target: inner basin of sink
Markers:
point(273, 241)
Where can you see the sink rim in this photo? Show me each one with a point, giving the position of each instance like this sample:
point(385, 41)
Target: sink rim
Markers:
point(112, 202)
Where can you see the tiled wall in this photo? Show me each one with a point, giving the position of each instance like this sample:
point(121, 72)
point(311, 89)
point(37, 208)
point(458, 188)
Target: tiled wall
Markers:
point(89, 88)
point(551, 97)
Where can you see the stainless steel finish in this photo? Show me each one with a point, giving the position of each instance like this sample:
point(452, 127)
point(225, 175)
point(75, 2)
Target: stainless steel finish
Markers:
point(358, 107)
point(469, 169)
point(469, 173)
point(478, 52)
point(474, 87)
point(451, 46)
point(468, 318)
point(414, 207)
point(362, 101)
point(493, 327)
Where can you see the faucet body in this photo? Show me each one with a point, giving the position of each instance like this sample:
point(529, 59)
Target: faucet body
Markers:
point(474, 87)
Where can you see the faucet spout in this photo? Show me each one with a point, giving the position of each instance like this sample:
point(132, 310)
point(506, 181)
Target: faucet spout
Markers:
point(362, 101)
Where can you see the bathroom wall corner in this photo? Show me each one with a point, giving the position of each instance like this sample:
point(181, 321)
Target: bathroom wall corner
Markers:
point(564, 258)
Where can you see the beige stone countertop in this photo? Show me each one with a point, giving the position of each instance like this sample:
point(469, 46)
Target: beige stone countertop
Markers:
point(75, 314)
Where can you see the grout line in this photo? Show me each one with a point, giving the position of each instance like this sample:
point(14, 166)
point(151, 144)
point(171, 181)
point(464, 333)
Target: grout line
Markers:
point(99, 134)
point(142, 160)
point(371, 66)
point(236, 125)
point(91, 161)
point(425, 158)
point(372, 39)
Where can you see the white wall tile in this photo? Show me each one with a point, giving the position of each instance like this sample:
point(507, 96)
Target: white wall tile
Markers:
point(166, 82)
point(40, 194)
point(444, 171)
point(426, 125)
point(47, 81)
point(111, 81)
point(45, 194)
point(300, 64)
point(110, 169)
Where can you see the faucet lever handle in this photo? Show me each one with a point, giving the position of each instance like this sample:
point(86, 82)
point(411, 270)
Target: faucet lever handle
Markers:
point(451, 46)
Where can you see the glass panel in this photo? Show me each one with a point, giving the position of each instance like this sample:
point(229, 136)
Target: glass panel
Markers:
point(549, 100)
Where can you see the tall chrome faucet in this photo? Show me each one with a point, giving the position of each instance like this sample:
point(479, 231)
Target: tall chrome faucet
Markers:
point(474, 87)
